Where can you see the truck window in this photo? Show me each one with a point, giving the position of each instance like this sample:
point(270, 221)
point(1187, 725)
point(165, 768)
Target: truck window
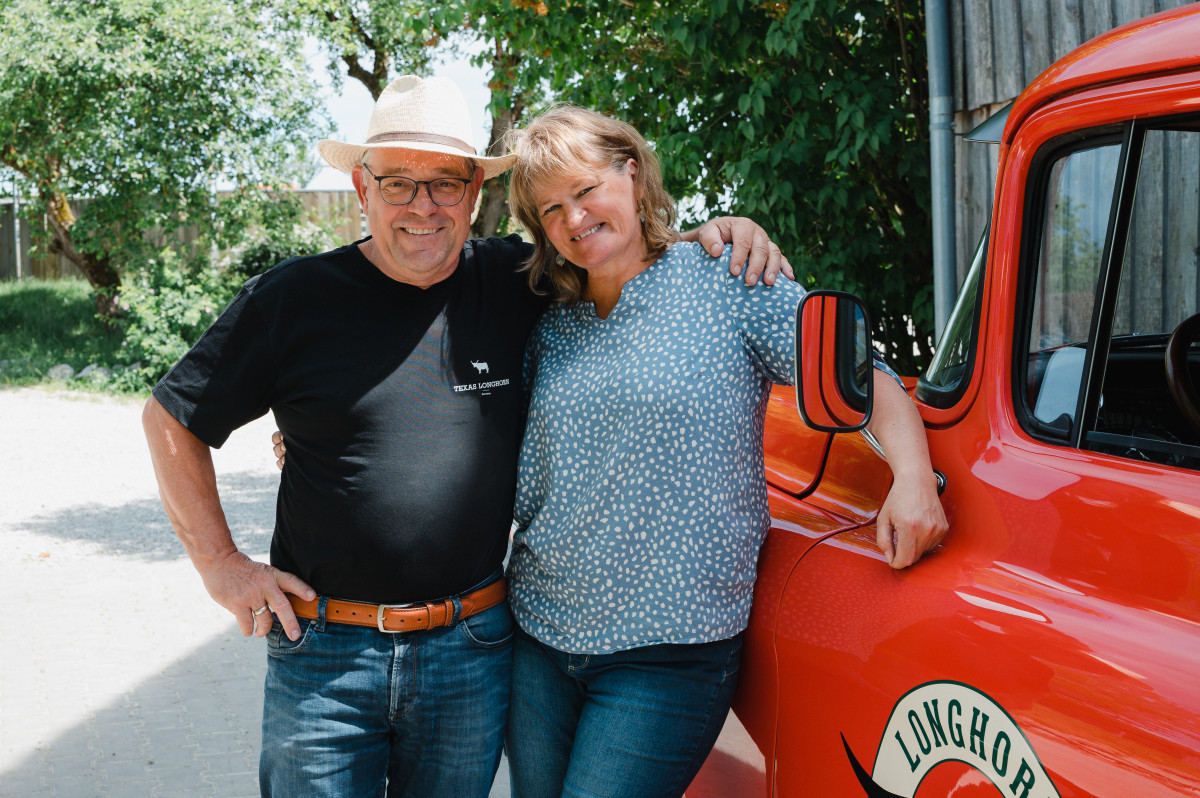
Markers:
point(1158, 287)
point(1139, 416)
point(1079, 197)
point(1116, 276)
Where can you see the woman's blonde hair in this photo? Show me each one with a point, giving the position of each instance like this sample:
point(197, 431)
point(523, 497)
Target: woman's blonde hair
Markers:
point(560, 143)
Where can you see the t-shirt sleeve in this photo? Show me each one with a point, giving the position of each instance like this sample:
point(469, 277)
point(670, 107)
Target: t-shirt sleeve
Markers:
point(224, 380)
point(510, 255)
point(507, 254)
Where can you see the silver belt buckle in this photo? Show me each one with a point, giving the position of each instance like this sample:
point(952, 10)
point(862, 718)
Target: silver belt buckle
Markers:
point(379, 616)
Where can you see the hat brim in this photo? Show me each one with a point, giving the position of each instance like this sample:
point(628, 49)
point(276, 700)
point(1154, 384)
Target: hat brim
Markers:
point(344, 157)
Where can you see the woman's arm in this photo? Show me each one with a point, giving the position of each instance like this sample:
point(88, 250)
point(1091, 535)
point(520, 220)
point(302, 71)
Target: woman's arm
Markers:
point(911, 521)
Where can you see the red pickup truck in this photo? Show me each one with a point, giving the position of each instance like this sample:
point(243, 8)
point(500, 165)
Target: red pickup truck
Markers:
point(1051, 646)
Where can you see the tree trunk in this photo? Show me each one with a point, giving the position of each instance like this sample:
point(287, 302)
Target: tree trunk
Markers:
point(99, 271)
point(495, 194)
point(375, 79)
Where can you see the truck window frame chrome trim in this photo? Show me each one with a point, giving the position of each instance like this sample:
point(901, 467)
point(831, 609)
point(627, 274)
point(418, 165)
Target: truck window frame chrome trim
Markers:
point(944, 397)
point(1109, 280)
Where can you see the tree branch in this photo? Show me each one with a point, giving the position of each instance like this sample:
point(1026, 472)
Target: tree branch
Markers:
point(374, 79)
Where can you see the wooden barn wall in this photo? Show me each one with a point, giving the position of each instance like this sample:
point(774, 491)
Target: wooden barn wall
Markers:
point(999, 47)
point(1159, 286)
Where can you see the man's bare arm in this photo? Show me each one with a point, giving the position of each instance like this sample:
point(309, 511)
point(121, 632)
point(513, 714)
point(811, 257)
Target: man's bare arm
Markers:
point(187, 483)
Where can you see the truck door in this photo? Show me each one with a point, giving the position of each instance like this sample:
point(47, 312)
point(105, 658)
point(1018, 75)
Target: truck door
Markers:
point(1052, 646)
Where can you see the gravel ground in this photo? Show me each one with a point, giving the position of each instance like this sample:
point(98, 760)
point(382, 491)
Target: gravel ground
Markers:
point(76, 476)
point(118, 675)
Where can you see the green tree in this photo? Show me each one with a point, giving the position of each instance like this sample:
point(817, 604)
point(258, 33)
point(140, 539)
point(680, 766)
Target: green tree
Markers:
point(373, 40)
point(495, 26)
point(809, 116)
point(145, 108)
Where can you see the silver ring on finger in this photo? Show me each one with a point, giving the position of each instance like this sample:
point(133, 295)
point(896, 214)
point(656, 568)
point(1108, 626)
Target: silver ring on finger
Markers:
point(260, 610)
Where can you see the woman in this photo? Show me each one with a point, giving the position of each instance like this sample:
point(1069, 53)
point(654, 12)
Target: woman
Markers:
point(642, 500)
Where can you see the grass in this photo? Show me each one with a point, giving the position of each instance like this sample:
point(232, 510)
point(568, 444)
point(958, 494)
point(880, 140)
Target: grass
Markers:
point(47, 323)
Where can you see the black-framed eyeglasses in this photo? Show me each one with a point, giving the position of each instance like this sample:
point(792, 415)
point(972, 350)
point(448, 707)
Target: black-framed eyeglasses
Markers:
point(396, 190)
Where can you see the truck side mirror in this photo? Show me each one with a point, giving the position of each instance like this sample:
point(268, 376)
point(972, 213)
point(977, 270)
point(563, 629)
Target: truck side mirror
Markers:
point(834, 371)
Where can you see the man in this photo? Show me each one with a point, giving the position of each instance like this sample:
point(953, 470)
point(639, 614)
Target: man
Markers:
point(393, 369)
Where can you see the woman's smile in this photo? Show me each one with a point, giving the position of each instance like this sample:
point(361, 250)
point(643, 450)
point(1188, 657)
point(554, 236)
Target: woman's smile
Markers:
point(587, 232)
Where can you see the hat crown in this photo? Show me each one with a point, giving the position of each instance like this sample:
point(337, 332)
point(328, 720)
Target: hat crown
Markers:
point(422, 114)
point(422, 109)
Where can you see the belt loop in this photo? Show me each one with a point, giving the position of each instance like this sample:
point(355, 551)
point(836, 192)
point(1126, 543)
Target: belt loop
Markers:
point(320, 621)
point(456, 613)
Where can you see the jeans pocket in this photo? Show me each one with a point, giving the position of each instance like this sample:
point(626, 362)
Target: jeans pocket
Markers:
point(490, 628)
point(279, 644)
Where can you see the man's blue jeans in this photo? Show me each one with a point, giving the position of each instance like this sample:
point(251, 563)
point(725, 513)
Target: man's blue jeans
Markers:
point(634, 724)
point(351, 711)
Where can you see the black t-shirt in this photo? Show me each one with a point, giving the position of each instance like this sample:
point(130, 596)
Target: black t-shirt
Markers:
point(402, 409)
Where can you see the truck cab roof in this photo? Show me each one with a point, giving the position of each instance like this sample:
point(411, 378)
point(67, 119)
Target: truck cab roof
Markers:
point(1161, 44)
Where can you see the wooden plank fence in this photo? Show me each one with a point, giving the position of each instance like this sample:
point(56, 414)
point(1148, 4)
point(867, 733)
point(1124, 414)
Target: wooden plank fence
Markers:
point(17, 259)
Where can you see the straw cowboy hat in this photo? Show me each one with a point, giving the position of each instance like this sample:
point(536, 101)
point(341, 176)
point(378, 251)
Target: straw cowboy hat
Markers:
point(412, 113)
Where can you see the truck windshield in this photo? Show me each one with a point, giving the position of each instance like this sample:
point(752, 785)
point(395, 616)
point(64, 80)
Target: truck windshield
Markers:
point(950, 370)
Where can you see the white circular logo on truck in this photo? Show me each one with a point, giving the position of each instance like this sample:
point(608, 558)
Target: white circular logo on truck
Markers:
point(952, 722)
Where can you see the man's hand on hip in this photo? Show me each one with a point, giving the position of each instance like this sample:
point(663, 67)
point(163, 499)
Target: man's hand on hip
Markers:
point(252, 591)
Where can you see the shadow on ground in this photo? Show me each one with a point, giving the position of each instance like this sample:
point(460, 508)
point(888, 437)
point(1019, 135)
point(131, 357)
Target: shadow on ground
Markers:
point(193, 730)
point(141, 527)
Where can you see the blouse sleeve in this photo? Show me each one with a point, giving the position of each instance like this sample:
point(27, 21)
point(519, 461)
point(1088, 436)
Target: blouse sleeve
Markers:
point(768, 327)
point(767, 322)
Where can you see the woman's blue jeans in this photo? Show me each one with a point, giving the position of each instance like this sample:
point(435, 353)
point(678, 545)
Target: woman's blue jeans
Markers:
point(351, 711)
point(634, 724)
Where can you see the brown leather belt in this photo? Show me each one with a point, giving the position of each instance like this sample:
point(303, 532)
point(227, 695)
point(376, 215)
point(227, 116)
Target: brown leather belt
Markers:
point(393, 618)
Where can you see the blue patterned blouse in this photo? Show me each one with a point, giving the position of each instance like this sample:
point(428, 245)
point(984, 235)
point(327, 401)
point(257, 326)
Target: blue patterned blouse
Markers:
point(641, 498)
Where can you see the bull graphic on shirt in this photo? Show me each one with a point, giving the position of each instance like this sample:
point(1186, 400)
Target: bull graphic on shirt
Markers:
point(481, 366)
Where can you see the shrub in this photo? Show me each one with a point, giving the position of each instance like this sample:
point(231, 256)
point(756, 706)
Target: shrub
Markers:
point(172, 302)
point(165, 309)
point(275, 245)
